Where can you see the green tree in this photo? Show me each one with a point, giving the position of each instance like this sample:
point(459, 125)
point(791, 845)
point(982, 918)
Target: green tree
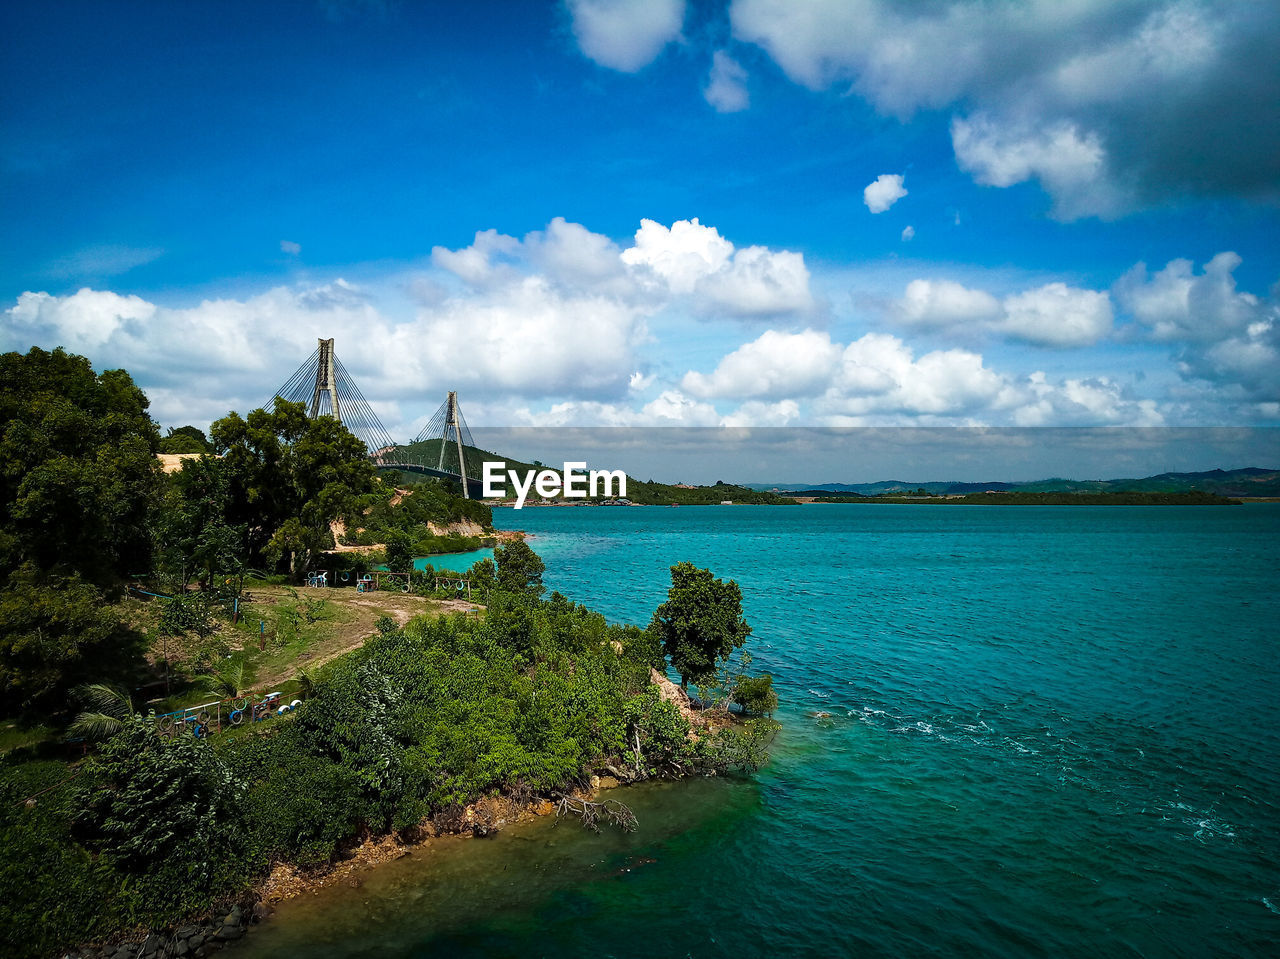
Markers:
point(166, 813)
point(193, 535)
point(56, 632)
point(520, 569)
point(289, 478)
point(399, 552)
point(78, 473)
point(185, 439)
point(755, 694)
point(701, 622)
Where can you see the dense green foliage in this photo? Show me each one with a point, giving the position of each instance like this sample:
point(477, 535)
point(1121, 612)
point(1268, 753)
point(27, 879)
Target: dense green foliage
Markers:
point(701, 622)
point(193, 536)
point(755, 694)
point(78, 482)
point(185, 439)
point(55, 633)
point(519, 569)
point(289, 478)
point(530, 700)
point(387, 515)
point(78, 473)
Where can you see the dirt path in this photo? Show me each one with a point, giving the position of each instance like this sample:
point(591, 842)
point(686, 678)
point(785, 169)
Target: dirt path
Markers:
point(353, 621)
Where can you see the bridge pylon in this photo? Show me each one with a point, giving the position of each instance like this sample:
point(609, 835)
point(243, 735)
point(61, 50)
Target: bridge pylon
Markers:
point(323, 385)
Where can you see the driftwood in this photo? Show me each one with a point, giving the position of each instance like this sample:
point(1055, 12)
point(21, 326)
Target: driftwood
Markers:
point(591, 813)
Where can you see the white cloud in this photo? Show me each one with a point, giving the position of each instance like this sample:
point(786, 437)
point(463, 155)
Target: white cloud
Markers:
point(695, 260)
point(944, 304)
point(883, 192)
point(1057, 315)
point(681, 256)
point(528, 337)
point(908, 233)
point(475, 264)
point(625, 35)
point(1053, 315)
point(1176, 304)
point(290, 247)
point(879, 373)
point(1091, 98)
point(83, 321)
point(1071, 166)
point(774, 365)
point(1095, 401)
point(1224, 336)
point(577, 258)
point(726, 88)
point(756, 413)
point(560, 315)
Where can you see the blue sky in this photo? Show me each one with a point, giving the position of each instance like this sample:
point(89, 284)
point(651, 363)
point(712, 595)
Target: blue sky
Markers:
point(752, 212)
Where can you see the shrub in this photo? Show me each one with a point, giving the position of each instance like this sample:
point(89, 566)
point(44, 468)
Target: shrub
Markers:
point(755, 694)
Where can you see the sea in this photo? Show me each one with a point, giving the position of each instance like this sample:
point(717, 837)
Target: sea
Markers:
point(1007, 731)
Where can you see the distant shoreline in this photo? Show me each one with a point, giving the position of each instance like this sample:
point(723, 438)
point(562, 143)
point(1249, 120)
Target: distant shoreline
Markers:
point(1041, 499)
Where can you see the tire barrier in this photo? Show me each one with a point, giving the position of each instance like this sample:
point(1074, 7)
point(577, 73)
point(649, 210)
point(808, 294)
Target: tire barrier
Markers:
point(203, 721)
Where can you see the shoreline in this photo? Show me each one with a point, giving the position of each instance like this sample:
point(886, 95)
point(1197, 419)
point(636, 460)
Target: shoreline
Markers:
point(236, 916)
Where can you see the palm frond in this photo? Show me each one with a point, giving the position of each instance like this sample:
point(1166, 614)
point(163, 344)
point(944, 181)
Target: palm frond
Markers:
point(106, 699)
point(96, 727)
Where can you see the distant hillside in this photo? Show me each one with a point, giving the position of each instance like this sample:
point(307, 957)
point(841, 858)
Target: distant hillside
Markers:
point(1251, 481)
point(646, 493)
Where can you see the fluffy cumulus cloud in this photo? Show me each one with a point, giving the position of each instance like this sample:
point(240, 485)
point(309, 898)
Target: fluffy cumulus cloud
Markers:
point(1054, 315)
point(880, 379)
point(625, 35)
point(1177, 304)
point(691, 259)
point(1091, 98)
point(774, 365)
point(558, 316)
point(1223, 335)
point(529, 338)
point(84, 321)
point(1071, 166)
point(197, 362)
point(1057, 315)
point(945, 304)
point(1083, 401)
point(880, 374)
point(726, 88)
point(883, 192)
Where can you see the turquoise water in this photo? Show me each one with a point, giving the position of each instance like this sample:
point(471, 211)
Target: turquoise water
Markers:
point(1009, 731)
point(455, 562)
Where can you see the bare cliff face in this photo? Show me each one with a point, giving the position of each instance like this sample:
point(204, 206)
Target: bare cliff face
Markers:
point(464, 527)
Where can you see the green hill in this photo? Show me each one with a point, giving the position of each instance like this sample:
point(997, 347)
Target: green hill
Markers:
point(1250, 481)
point(643, 492)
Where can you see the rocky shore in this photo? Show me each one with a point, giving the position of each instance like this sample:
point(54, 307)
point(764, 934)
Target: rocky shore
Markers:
point(197, 940)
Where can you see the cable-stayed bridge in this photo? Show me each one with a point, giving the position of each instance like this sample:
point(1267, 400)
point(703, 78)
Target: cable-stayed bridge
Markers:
point(444, 448)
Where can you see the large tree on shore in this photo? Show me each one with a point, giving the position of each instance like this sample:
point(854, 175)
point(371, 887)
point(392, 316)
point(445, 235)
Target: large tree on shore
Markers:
point(79, 482)
point(701, 622)
point(289, 478)
point(78, 473)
